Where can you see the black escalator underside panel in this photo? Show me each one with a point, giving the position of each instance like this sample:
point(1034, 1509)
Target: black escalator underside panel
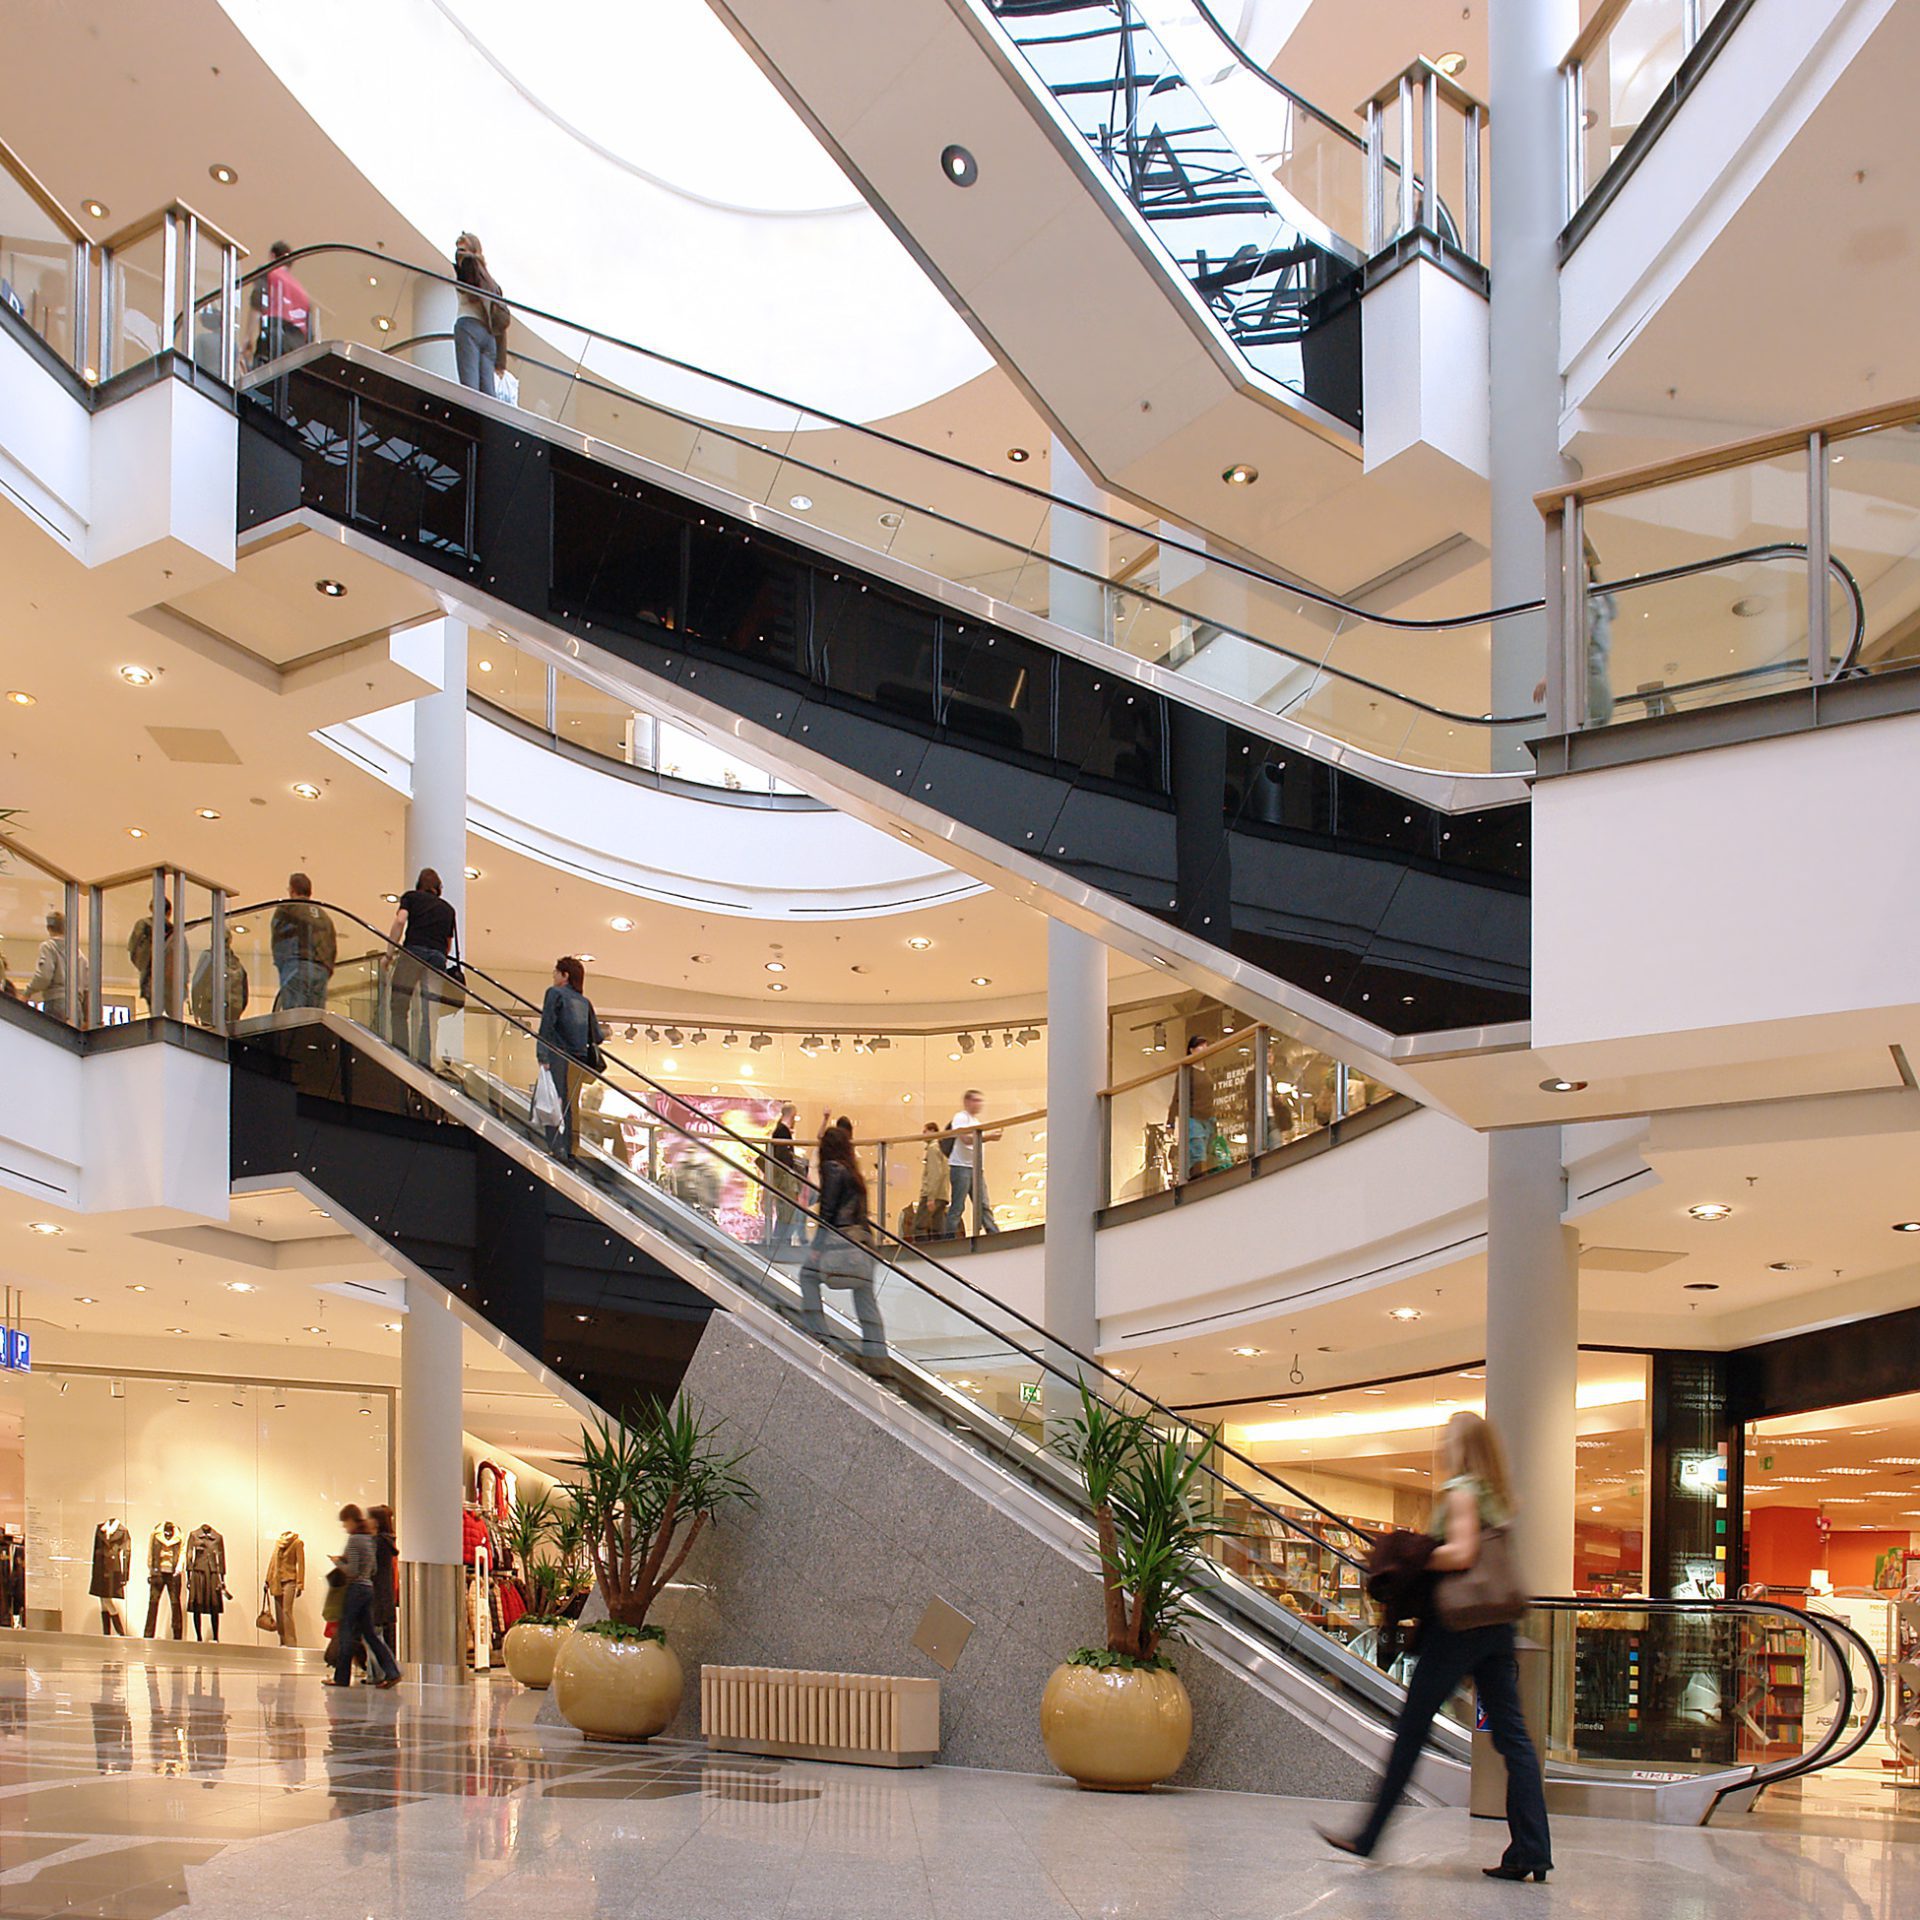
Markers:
point(1413, 919)
point(606, 1316)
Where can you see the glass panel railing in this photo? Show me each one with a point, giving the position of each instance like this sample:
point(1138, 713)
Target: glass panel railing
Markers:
point(952, 1349)
point(1873, 515)
point(502, 675)
point(1415, 686)
point(43, 261)
point(37, 957)
point(135, 280)
point(133, 980)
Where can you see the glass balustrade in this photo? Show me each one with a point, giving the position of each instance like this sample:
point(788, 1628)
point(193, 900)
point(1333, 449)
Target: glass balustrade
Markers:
point(39, 952)
point(44, 262)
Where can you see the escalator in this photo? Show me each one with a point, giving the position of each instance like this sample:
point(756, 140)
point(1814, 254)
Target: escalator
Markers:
point(629, 1264)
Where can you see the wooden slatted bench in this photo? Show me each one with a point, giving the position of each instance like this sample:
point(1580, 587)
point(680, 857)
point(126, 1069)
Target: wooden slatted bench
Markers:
point(871, 1719)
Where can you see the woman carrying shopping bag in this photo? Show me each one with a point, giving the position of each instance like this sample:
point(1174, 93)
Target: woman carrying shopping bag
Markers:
point(841, 1252)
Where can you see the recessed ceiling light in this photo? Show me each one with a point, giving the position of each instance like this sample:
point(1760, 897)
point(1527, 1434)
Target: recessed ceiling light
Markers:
point(1748, 607)
point(313, 1329)
point(136, 833)
point(1713, 1210)
point(86, 1299)
point(1403, 1313)
point(392, 1326)
point(1247, 1353)
point(392, 899)
point(176, 1329)
point(776, 986)
point(1241, 475)
point(1906, 1226)
point(919, 943)
point(19, 697)
point(1702, 1286)
point(620, 923)
point(981, 980)
point(137, 1287)
point(94, 209)
point(381, 321)
point(890, 521)
point(224, 174)
point(960, 167)
point(136, 675)
point(44, 1226)
point(306, 790)
point(239, 1286)
point(472, 873)
point(333, 589)
point(801, 502)
point(207, 813)
point(701, 959)
point(1562, 1086)
point(373, 279)
point(1453, 65)
point(776, 966)
point(1786, 1266)
point(586, 959)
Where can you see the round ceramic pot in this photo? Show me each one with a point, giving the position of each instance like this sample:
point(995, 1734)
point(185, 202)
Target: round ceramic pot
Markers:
point(1115, 1732)
point(617, 1689)
point(530, 1649)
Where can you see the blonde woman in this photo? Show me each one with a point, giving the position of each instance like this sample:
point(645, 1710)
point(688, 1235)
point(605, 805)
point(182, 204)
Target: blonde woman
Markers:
point(1477, 1497)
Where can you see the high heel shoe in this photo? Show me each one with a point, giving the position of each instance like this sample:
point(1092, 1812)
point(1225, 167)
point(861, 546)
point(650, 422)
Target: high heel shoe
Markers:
point(1341, 1842)
point(1504, 1872)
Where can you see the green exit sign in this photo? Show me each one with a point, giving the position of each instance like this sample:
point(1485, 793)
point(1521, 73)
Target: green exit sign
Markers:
point(1030, 1392)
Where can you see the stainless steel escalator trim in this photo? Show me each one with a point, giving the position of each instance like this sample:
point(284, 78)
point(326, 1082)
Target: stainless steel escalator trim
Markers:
point(1371, 1049)
point(1447, 792)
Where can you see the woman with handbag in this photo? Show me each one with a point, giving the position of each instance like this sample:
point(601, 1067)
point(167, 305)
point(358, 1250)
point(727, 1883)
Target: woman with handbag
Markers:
point(570, 1048)
point(840, 1256)
point(425, 971)
point(1477, 1597)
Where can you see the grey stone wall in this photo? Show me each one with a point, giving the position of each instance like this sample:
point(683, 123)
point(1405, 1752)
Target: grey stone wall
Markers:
point(855, 1532)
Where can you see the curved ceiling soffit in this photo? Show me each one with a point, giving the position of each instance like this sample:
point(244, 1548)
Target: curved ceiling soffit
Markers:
point(755, 863)
point(809, 295)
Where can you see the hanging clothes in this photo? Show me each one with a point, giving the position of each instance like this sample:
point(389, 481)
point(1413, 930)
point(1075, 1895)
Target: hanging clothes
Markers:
point(206, 1572)
point(112, 1561)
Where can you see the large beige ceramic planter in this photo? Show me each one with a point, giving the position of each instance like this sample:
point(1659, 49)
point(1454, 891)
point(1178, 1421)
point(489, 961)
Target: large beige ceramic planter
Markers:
point(530, 1649)
point(616, 1689)
point(1113, 1731)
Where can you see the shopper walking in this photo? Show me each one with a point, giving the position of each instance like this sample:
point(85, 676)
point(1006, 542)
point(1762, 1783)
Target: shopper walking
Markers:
point(231, 986)
point(48, 988)
point(304, 947)
point(386, 1574)
point(1199, 1141)
point(936, 1186)
point(967, 1167)
point(841, 1254)
point(140, 952)
point(286, 314)
point(570, 1048)
point(480, 331)
point(428, 935)
point(1470, 1521)
point(783, 1181)
point(357, 1561)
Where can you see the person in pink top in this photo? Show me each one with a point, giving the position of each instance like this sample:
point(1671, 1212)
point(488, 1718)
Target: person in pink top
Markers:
point(286, 314)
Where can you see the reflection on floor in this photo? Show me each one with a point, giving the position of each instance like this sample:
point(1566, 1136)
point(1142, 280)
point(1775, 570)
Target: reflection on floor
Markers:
point(129, 1791)
point(1843, 1802)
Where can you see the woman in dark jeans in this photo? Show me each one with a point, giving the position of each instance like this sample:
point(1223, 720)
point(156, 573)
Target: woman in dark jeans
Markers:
point(480, 326)
point(386, 1573)
point(425, 931)
point(1477, 1495)
point(570, 1042)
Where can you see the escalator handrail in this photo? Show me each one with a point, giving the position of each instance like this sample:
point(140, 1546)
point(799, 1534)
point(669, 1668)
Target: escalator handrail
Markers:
point(1273, 80)
point(385, 950)
point(1834, 1748)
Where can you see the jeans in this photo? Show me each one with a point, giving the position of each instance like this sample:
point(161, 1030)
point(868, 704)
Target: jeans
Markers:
point(415, 1002)
point(303, 983)
point(967, 1180)
point(1199, 1147)
point(356, 1625)
point(1445, 1659)
point(475, 353)
point(784, 1220)
point(866, 1309)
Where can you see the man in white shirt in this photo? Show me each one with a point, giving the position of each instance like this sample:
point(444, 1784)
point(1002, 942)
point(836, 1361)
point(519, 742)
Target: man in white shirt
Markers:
point(966, 1165)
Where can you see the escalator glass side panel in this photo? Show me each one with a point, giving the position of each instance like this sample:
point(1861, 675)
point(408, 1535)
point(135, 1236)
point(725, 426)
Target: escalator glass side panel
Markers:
point(1267, 854)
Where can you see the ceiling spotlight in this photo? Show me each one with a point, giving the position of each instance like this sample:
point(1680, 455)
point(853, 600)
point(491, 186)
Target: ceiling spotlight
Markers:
point(674, 1036)
point(239, 1286)
point(1453, 65)
point(1786, 1266)
point(729, 1039)
point(306, 790)
point(1907, 1226)
point(1562, 1086)
point(981, 980)
point(890, 521)
point(17, 697)
point(919, 943)
point(1247, 1353)
point(381, 321)
point(94, 209)
point(1018, 455)
point(760, 1042)
point(801, 502)
point(653, 1035)
point(392, 1326)
point(668, 1064)
point(1031, 1034)
point(620, 923)
point(1702, 1286)
point(472, 873)
point(966, 1042)
point(585, 959)
point(1241, 475)
point(207, 813)
point(699, 1036)
point(1159, 1036)
point(1403, 1313)
point(225, 175)
point(960, 167)
point(137, 1287)
point(879, 1043)
point(333, 589)
point(776, 966)
point(836, 1043)
point(313, 1329)
point(392, 899)
point(137, 676)
point(633, 1032)
point(776, 986)
point(176, 1329)
point(1719, 1210)
point(814, 1042)
point(86, 1299)
point(44, 1226)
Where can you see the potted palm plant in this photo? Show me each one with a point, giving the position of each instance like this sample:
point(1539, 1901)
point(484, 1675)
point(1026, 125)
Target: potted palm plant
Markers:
point(1116, 1717)
point(533, 1641)
point(647, 1491)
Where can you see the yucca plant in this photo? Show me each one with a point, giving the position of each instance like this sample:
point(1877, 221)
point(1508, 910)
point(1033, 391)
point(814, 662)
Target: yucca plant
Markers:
point(570, 1551)
point(647, 1491)
point(1141, 1484)
point(526, 1532)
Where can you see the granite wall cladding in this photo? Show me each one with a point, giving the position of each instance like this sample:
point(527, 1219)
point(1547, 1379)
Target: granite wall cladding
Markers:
point(855, 1532)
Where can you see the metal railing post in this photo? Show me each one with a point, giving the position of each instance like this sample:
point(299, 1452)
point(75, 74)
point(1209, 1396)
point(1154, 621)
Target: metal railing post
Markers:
point(1819, 561)
point(159, 957)
point(217, 961)
point(82, 306)
point(1339, 1090)
point(70, 950)
point(230, 316)
point(553, 705)
point(881, 1150)
point(1689, 25)
point(1575, 97)
point(1376, 193)
point(97, 971)
point(177, 951)
point(1430, 150)
point(1183, 1085)
point(1257, 1093)
point(1560, 717)
point(1406, 156)
point(169, 277)
point(1470, 190)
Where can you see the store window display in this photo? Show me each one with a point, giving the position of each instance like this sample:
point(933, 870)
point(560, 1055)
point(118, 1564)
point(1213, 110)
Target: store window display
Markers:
point(112, 1562)
point(164, 1547)
point(13, 1577)
point(284, 1583)
point(207, 1593)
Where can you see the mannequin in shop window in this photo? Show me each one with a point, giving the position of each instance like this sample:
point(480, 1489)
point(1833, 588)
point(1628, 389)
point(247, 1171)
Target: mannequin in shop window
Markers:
point(112, 1562)
point(13, 1577)
point(164, 1547)
point(286, 1580)
point(206, 1581)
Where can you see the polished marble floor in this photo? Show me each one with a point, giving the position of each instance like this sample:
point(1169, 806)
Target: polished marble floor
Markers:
point(168, 1785)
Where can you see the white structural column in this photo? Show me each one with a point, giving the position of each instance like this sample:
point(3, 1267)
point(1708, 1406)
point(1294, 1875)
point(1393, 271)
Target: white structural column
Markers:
point(1525, 42)
point(437, 812)
point(1533, 1343)
point(1076, 1153)
point(432, 1578)
point(1079, 542)
point(435, 306)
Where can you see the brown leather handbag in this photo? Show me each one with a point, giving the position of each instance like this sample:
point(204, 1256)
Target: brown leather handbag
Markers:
point(1486, 1594)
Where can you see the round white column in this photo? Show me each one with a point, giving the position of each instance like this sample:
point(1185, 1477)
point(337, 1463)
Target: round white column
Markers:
point(431, 1486)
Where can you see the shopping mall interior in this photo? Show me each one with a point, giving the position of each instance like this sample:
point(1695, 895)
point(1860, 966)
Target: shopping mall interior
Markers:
point(877, 873)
